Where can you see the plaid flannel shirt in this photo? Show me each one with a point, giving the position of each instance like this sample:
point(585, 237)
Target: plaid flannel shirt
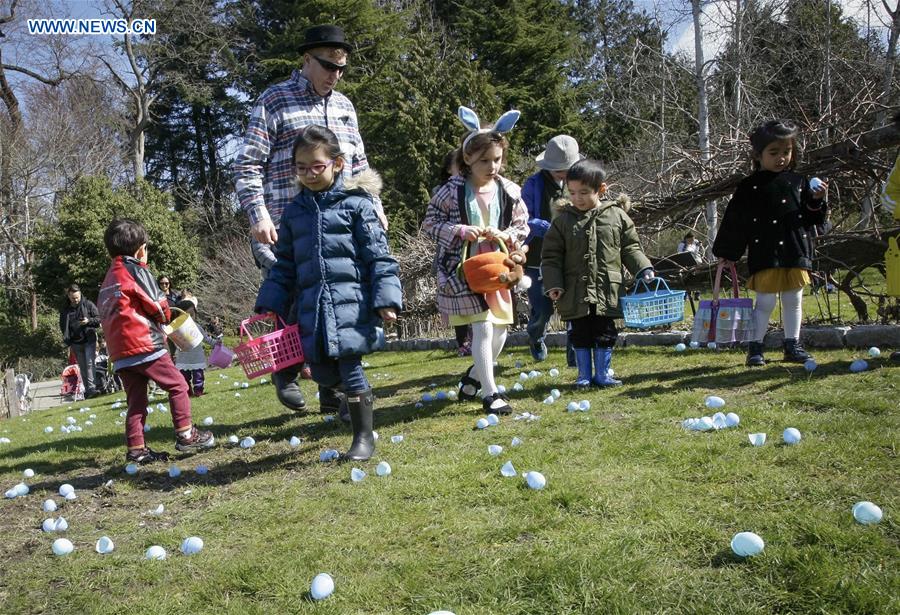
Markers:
point(263, 170)
point(442, 223)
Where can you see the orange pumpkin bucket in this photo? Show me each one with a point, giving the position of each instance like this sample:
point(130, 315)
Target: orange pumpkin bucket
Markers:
point(482, 271)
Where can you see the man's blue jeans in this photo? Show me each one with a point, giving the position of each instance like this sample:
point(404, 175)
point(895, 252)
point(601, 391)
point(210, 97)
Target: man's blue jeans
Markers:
point(541, 307)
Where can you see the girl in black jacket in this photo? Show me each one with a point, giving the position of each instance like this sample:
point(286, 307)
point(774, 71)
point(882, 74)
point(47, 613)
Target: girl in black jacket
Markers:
point(771, 216)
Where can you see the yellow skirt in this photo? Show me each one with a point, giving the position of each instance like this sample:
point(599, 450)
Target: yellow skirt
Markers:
point(776, 280)
point(485, 316)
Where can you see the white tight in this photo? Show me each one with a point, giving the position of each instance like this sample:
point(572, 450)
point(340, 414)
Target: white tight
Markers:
point(790, 313)
point(487, 342)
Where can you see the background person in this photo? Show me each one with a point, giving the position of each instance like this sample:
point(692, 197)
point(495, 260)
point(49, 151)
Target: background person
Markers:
point(78, 321)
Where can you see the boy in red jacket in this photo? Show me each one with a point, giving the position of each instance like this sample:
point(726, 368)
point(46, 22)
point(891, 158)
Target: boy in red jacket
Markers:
point(132, 312)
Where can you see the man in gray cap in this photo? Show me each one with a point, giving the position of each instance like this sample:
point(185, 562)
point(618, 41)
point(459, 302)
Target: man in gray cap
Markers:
point(542, 192)
point(264, 172)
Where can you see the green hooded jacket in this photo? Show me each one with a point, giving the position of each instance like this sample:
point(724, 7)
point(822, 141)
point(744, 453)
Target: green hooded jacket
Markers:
point(583, 254)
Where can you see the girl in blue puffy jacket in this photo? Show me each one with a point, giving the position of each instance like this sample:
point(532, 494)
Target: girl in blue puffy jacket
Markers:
point(333, 252)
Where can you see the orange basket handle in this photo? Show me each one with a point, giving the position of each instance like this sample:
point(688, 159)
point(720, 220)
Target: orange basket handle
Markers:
point(256, 318)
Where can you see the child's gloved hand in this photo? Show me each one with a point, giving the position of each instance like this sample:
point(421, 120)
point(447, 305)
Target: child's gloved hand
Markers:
point(387, 314)
point(555, 293)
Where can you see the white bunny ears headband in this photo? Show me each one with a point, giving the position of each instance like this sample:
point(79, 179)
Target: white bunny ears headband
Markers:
point(470, 120)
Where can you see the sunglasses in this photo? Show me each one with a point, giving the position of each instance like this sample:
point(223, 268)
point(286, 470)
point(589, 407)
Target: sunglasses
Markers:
point(313, 169)
point(331, 67)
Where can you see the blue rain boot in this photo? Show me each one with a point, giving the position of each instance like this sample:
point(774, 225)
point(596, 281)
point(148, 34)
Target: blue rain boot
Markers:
point(583, 361)
point(602, 359)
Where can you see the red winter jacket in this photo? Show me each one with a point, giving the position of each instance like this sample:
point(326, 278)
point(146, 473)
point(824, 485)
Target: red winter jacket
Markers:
point(132, 309)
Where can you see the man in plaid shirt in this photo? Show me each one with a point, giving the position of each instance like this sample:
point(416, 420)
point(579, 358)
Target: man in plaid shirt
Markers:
point(264, 171)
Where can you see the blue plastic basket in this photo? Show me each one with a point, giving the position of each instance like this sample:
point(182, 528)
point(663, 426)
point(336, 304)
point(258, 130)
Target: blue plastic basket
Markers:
point(652, 308)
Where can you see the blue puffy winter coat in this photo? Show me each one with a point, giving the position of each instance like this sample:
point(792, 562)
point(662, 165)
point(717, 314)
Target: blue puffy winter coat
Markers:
point(333, 252)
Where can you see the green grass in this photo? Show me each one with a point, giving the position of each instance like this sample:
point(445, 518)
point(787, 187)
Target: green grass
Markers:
point(636, 517)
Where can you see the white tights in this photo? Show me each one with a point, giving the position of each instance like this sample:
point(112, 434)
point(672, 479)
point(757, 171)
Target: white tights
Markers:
point(790, 313)
point(487, 342)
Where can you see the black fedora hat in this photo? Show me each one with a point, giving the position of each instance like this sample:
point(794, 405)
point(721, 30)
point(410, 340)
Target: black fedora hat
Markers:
point(324, 36)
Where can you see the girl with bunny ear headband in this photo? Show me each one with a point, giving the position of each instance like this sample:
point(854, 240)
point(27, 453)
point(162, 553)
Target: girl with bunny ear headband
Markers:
point(478, 208)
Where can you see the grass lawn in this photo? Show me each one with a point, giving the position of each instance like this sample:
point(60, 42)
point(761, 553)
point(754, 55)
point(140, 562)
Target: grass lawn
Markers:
point(636, 517)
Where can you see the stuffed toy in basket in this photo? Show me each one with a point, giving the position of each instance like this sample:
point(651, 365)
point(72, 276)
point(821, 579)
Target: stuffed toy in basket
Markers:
point(492, 271)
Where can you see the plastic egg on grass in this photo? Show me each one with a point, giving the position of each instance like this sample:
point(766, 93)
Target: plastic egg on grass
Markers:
point(321, 587)
point(501, 388)
point(810, 365)
point(711, 345)
point(572, 407)
point(535, 480)
point(245, 385)
point(65, 489)
point(680, 347)
point(549, 399)
point(61, 525)
point(555, 393)
point(174, 471)
point(452, 395)
point(357, 475)
point(192, 545)
point(441, 395)
point(248, 442)
point(718, 421)
point(397, 439)
point(294, 441)
point(732, 420)
point(441, 613)
point(71, 496)
point(28, 473)
point(202, 470)
point(49, 506)
point(131, 468)
point(419, 405)
point(714, 401)
point(329, 454)
point(516, 441)
point(158, 510)
point(747, 544)
point(62, 546)
point(508, 470)
point(705, 424)
point(155, 552)
point(874, 352)
point(383, 469)
point(494, 450)
point(492, 419)
point(695, 345)
point(49, 525)
point(328, 418)
point(481, 423)
point(523, 376)
point(791, 435)
point(19, 490)
point(237, 394)
point(208, 421)
point(147, 428)
point(554, 373)
point(426, 398)
point(859, 365)
point(233, 439)
point(375, 435)
point(533, 374)
point(866, 513)
point(610, 372)
point(518, 387)
point(757, 439)
point(104, 545)
point(584, 405)
point(48, 429)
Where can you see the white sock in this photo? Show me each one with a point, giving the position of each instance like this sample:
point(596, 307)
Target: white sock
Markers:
point(482, 356)
point(765, 304)
point(498, 340)
point(791, 313)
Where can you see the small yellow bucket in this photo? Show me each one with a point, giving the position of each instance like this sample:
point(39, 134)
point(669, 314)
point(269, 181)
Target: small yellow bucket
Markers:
point(183, 331)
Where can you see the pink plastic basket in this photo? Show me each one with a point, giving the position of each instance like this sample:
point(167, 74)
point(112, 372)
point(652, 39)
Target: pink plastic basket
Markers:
point(221, 356)
point(270, 352)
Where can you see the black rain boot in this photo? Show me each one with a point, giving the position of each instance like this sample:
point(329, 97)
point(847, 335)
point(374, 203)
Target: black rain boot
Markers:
point(794, 351)
point(287, 390)
point(755, 356)
point(330, 400)
point(361, 404)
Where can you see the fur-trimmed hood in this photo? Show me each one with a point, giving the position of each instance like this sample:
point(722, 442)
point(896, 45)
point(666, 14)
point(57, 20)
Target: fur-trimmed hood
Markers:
point(369, 181)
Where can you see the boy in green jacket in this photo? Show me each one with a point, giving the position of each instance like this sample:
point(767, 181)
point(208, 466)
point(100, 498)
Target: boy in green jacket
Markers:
point(581, 262)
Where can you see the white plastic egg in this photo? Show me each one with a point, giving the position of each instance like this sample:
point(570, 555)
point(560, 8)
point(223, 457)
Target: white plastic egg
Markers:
point(714, 401)
point(104, 545)
point(518, 387)
point(584, 405)
point(62, 546)
point(397, 439)
point(494, 450)
point(294, 441)
point(28, 473)
point(20, 489)
point(757, 439)
point(874, 352)
point(554, 373)
point(49, 506)
point(791, 435)
point(357, 475)
point(322, 586)
point(680, 347)
point(732, 420)
point(516, 441)
point(49, 525)
point(549, 400)
point(866, 513)
point(711, 345)
point(155, 552)
point(555, 393)
point(248, 442)
point(523, 376)
point(208, 421)
point(48, 429)
point(535, 480)
point(747, 544)
point(694, 345)
point(61, 525)
point(705, 424)
point(508, 470)
point(482, 423)
point(383, 469)
point(232, 439)
point(174, 471)
point(492, 419)
point(192, 545)
point(65, 489)
point(452, 394)
point(572, 406)
point(328, 454)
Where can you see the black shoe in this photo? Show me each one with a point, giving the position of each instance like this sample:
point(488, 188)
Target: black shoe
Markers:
point(145, 455)
point(794, 352)
point(361, 406)
point(465, 381)
point(330, 400)
point(895, 356)
point(490, 399)
point(755, 356)
point(287, 390)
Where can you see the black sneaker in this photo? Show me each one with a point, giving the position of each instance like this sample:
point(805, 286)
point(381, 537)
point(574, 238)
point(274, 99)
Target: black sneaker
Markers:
point(196, 441)
point(145, 455)
point(489, 400)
